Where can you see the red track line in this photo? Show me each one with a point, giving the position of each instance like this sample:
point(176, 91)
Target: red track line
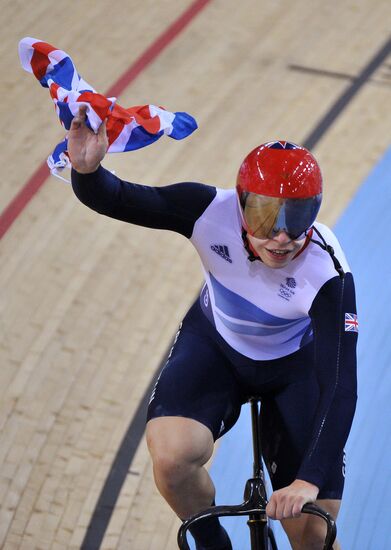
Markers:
point(40, 176)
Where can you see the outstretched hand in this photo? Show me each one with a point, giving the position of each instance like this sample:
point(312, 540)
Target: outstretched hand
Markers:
point(85, 148)
point(288, 501)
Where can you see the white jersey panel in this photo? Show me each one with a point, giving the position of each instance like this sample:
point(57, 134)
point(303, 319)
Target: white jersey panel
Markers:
point(260, 312)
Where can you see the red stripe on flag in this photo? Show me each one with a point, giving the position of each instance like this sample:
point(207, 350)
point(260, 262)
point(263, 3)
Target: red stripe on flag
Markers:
point(17, 205)
point(99, 103)
point(53, 90)
point(115, 124)
point(40, 60)
point(143, 117)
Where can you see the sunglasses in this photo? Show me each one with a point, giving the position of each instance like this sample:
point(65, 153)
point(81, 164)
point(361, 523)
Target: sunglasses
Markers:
point(264, 217)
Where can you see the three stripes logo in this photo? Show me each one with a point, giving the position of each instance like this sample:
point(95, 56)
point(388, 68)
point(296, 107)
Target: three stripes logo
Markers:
point(222, 250)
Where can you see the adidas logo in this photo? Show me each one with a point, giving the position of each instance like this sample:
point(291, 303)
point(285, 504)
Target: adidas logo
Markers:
point(222, 250)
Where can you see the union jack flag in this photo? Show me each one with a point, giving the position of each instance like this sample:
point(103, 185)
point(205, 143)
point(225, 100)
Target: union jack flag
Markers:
point(127, 129)
point(351, 322)
point(281, 145)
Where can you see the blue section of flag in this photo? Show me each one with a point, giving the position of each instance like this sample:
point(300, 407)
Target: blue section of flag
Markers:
point(140, 138)
point(132, 128)
point(65, 114)
point(61, 73)
point(183, 125)
point(59, 150)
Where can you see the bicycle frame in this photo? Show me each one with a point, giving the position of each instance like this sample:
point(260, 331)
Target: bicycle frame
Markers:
point(255, 501)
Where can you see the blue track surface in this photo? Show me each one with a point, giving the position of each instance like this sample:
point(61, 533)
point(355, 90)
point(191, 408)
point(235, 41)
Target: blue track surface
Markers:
point(365, 519)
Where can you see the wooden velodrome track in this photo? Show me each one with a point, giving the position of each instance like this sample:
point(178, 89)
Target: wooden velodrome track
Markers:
point(89, 305)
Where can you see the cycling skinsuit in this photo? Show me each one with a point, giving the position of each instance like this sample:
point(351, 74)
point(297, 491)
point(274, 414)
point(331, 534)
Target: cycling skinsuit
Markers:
point(287, 334)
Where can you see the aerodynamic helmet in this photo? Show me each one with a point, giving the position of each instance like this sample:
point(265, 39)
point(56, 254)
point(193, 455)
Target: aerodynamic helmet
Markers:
point(279, 188)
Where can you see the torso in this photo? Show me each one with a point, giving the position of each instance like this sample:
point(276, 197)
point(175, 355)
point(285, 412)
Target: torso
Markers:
point(261, 312)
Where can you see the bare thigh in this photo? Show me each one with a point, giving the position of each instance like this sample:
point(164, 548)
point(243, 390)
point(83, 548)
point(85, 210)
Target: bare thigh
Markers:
point(307, 528)
point(180, 440)
point(179, 448)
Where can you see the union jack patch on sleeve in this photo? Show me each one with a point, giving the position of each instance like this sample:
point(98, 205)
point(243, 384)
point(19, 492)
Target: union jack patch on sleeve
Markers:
point(351, 322)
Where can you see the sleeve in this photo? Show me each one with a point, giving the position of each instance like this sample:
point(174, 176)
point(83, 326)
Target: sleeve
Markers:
point(175, 207)
point(335, 359)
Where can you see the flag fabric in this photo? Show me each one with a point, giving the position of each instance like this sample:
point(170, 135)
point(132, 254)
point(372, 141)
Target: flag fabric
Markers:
point(127, 129)
point(351, 322)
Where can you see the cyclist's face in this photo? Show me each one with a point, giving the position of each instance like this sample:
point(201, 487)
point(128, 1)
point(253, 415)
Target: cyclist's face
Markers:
point(276, 252)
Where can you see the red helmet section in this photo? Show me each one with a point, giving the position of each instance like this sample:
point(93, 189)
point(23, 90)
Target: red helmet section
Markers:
point(280, 169)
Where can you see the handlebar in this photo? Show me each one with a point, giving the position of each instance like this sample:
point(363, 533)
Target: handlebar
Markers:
point(244, 509)
point(331, 534)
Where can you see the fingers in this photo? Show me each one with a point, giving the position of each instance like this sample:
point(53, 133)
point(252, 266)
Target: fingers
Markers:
point(282, 506)
point(297, 507)
point(271, 508)
point(102, 133)
point(289, 501)
point(80, 118)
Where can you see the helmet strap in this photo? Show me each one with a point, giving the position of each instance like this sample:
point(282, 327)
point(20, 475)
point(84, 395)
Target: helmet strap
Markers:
point(328, 248)
point(251, 256)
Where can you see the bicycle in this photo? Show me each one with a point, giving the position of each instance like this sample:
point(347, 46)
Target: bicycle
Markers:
point(255, 501)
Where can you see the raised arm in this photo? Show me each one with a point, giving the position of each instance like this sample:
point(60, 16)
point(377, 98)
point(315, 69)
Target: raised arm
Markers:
point(175, 207)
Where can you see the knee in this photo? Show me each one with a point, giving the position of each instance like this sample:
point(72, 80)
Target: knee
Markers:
point(171, 466)
point(176, 454)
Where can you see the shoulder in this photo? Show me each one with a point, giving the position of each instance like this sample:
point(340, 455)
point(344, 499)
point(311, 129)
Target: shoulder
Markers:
point(222, 209)
point(188, 191)
point(224, 199)
point(220, 218)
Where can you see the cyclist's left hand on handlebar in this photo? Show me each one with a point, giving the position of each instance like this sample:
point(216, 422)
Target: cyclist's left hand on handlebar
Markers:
point(288, 501)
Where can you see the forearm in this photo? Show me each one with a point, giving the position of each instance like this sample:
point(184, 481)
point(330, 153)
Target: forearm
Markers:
point(335, 364)
point(174, 207)
point(329, 440)
point(96, 190)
